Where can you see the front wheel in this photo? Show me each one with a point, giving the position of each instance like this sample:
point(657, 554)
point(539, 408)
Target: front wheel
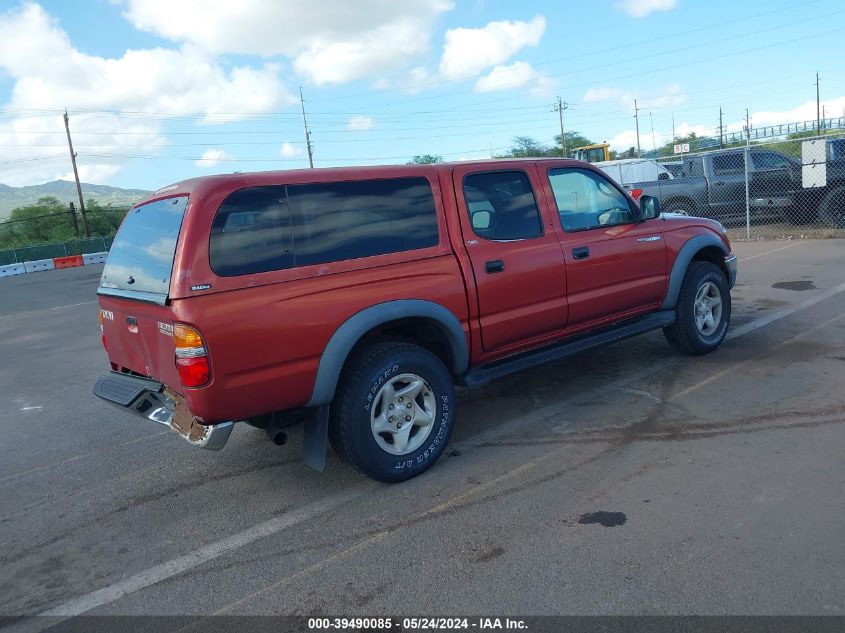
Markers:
point(703, 310)
point(393, 411)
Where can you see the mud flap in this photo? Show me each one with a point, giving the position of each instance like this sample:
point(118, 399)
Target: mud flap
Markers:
point(315, 439)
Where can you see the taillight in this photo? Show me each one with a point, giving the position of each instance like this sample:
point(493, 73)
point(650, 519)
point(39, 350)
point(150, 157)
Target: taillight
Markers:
point(191, 356)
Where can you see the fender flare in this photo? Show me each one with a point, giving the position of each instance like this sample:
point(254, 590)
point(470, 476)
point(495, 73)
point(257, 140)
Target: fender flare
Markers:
point(350, 332)
point(682, 262)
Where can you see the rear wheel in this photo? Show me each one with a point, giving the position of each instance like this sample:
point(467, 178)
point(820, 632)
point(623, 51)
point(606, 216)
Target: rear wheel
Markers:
point(832, 208)
point(703, 310)
point(393, 412)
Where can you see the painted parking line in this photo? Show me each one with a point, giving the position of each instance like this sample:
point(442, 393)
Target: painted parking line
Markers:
point(774, 250)
point(181, 564)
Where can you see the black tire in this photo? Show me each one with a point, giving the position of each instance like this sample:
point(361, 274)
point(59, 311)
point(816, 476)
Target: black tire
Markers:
point(832, 208)
point(684, 335)
point(361, 384)
point(680, 206)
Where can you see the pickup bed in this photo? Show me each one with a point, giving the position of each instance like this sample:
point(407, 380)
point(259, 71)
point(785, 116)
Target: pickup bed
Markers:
point(713, 185)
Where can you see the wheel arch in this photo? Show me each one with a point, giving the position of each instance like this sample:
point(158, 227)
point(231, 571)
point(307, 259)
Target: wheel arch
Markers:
point(425, 322)
point(707, 248)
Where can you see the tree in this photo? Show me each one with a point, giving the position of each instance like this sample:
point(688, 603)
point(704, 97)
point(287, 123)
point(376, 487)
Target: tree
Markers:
point(573, 139)
point(425, 159)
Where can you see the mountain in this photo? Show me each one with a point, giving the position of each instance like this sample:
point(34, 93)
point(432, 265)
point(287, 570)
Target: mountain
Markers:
point(65, 190)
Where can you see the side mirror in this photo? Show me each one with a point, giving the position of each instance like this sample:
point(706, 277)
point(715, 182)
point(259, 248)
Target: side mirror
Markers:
point(650, 207)
point(481, 220)
point(663, 176)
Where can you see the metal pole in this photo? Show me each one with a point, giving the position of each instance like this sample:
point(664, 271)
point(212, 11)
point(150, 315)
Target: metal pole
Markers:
point(721, 129)
point(747, 196)
point(560, 107)
point(818, 115)
point(76, 176)
point(307, 132)
point(637, 119)
point(73, 223)
point(653, 141)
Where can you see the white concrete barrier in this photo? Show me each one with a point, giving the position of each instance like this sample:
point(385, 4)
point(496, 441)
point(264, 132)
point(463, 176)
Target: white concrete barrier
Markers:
point(94, 258)
point(39, 265)
point(12, 269)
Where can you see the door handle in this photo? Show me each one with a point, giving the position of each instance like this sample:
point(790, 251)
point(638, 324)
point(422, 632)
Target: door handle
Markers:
point(494, 266)
point(580, 252)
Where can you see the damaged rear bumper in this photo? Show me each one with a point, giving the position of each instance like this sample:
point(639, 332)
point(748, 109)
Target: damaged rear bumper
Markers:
point(150, 399)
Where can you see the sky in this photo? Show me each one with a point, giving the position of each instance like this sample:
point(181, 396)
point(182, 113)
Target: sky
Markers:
point(158, 91)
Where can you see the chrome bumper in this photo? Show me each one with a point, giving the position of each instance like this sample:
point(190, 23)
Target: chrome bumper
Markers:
point(151, 400)
point(730, 264)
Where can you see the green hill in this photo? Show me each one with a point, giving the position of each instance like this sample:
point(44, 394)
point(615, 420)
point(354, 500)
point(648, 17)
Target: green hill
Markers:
point(65, 190)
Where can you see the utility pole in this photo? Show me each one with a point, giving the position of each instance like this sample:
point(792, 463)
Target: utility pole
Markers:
point(560, 106)
point(653, 141)
point(73, 224)
point(673, 127)
point(307, 131)
point(721, 130)
point(818, 114)
point(824, 116)
point(637, 119)
point(76, 176)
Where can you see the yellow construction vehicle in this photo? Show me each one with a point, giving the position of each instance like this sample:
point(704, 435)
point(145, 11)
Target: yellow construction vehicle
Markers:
point(592, 153)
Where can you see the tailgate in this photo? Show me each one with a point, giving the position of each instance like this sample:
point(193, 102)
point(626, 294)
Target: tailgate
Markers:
point(139, 337)
point(134, 288)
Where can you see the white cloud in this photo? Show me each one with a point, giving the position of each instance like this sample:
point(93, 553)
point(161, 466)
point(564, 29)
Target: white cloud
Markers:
point(212, 158)
point(641, 8)
point(360, 123)
point(95, 174)
point(48, 73)
point(516, 75)
point(289, 150)
point(468, 52)
point(333, 41)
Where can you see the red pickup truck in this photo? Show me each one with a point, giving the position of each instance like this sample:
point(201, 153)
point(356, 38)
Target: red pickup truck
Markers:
point(356, 299)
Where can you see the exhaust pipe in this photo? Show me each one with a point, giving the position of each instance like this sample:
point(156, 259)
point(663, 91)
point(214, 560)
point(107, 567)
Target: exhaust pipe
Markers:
point(277, 435)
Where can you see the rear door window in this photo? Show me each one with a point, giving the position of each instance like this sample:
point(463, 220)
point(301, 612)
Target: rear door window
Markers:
point(260, 229)
point(141, 257)
point(725, 164)
point(501, 206)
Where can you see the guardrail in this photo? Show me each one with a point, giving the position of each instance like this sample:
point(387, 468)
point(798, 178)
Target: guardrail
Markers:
point(39, 265)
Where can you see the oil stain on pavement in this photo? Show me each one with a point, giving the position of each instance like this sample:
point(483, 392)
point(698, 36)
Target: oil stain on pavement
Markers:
point(605, 519)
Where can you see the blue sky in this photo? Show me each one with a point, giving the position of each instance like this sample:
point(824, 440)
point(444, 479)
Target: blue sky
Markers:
point(159, 91)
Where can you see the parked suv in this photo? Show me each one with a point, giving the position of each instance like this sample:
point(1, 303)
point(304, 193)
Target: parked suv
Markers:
point(356, 299)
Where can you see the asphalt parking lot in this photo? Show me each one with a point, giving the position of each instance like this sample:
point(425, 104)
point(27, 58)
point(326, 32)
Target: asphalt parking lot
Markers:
point(721, 480)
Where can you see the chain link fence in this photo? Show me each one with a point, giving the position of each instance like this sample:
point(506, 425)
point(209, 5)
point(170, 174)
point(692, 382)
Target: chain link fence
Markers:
point(773, 189)
point(49, 251)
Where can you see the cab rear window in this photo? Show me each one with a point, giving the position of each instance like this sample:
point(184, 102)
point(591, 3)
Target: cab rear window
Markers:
point(259, 229)
point(141, 256)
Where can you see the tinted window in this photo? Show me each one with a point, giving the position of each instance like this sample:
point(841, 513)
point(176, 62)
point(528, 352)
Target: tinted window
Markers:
point(347, 220)
point(501, 206)
point(141, 257)
point(251, 232)
point(587, 200)
point(769, 160)
point(272, 228)
point(729, 163)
